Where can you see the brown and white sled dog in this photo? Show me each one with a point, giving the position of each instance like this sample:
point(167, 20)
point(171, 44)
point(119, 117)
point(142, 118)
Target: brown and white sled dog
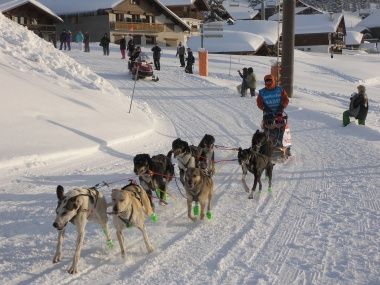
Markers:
point(78, 206)
point(199, 188)
point(130, 204)
point(186, 155)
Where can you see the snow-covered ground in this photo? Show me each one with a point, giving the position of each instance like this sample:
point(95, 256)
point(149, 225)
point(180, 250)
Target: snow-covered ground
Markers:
point(64, 120)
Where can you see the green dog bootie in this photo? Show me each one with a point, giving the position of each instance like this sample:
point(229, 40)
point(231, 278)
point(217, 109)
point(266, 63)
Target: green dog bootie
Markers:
point(110, 244)
point(209, 215)
point(154, 217)
point(270, 189)
point(196, 209)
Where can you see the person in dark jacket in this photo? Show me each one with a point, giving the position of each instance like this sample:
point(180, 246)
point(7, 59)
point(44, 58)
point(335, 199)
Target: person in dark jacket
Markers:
point(358, 107)
point(156, 56)
point(62, 39)
point(251, 81)
point(105, 43)
point(190, 61)
point(86, 42)
point(243, 86)
point(130, 46)
point(123, 47)
point(181, 52)
point(134, 55)
point(69, 39)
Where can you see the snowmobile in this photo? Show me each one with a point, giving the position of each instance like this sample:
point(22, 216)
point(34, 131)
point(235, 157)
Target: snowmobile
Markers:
point(273, 126)
point(141, 68)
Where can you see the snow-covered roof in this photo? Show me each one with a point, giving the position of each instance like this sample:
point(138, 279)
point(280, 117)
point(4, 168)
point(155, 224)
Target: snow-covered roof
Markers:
point(6, 5)
point(297, 10)
point(266, 29)
point(372, 21)
point(62, 7)
point(317, 23)
point(239, 10)
point(177, 2)
point(351, 20)
point(230, 42)
point(66, 7)
point(353, 38)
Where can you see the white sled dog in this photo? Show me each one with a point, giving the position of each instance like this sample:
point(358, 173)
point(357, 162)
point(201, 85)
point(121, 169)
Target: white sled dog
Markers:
point(130, 204)
point(79, 206)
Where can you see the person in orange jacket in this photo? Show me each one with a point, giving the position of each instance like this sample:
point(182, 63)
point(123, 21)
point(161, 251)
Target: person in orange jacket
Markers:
point(272, 100)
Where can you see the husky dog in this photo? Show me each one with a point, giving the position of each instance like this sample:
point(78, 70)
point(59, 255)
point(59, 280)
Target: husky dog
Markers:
point(187, 156)
point(130, 204)
point(256, 159)
point(154, 174)
point(206, 160)
point(79, 206)
point(199, 188)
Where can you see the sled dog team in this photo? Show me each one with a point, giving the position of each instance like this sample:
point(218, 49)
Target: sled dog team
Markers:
point(132, 203)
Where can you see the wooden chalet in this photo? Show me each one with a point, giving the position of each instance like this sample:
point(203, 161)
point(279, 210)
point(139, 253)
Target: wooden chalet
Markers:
point(371, 25)
point(188, 8)
point(34, 15)
point(320, 31)
point(190, 11)
point(272, 8)
point(147, 21)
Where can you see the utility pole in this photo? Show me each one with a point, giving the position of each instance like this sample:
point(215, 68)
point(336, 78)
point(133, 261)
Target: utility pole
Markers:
point(287, 58)
point(263, 10)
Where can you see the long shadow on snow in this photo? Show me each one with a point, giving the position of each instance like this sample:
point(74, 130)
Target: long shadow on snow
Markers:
point(332, 124)
point(333, 72)
point(103, 145)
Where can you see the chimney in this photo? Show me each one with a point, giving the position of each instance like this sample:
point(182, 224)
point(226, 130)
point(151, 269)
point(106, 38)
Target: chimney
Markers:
point(331, 16)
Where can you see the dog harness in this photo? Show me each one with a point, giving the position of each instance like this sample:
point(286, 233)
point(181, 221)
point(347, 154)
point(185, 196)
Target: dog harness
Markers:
point(185, 161)
point(137, 193)
point(127, 222)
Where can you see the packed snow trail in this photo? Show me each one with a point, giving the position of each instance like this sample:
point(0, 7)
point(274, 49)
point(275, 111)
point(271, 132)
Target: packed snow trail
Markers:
point(319, 226)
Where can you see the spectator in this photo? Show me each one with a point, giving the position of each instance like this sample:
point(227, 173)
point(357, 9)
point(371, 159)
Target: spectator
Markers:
point(181, 52)
point(130, 46)
point(105, 43)
point(156, 56)
point(62, 39)
point(358, 107)
point(123, 47)
point(190, 61)
point(243, 86)
point(69, 39)
point(86, 42)
point(79, 38)
point(251, 81)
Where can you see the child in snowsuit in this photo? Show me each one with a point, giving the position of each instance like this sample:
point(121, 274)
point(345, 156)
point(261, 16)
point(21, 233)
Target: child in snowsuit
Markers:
point(358, 107)
point(190, 61)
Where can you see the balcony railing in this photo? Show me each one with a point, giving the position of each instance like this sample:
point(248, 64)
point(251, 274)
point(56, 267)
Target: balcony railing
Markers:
point(140, 27)
point(41, 27)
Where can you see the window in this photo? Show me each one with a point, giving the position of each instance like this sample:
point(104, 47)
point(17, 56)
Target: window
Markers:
point(119, 17)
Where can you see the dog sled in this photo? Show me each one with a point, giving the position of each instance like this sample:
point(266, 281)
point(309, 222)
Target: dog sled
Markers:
point(141, 68)
point(277, 129)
